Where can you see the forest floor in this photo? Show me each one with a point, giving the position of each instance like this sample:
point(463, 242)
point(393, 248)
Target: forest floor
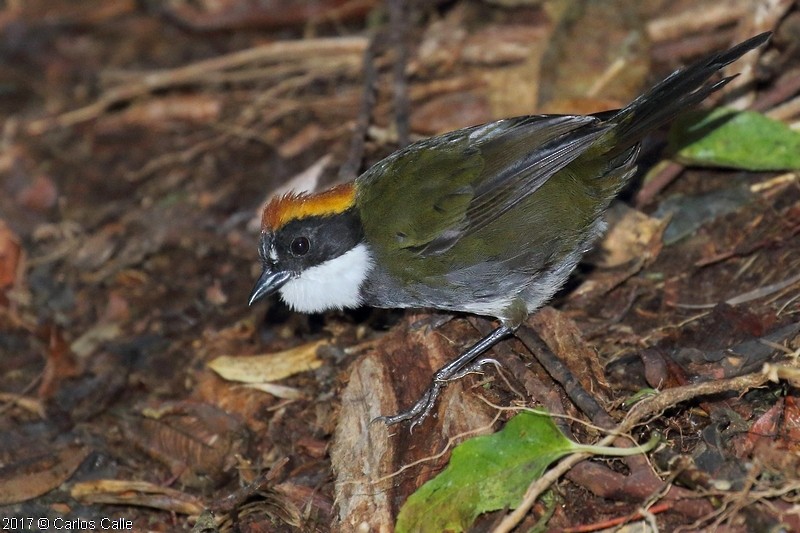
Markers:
point(139, 143)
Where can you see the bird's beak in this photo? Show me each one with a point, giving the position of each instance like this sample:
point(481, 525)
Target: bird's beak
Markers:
point(268, 283)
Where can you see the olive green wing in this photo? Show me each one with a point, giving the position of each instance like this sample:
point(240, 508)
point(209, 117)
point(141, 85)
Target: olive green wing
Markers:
point(425, 198)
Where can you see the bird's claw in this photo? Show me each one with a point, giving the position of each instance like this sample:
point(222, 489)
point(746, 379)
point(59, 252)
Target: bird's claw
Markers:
point(465, 364)
point(420, 410)
point(418, 413)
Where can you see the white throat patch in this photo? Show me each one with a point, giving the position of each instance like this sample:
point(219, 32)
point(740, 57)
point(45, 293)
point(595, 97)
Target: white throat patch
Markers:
point(334, 284)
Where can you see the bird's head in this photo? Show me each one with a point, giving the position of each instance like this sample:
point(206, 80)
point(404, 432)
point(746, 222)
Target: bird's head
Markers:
point(312, 250)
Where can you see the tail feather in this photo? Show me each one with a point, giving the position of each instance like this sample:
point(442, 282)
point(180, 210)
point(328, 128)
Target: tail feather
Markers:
point(681, 90)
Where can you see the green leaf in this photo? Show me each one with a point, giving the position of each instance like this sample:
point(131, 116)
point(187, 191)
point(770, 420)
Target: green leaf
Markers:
point(485, 474)
point(493, 472)
point(744, 140)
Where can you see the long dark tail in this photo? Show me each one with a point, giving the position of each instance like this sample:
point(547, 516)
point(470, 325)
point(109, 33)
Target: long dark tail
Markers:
point(681, 90)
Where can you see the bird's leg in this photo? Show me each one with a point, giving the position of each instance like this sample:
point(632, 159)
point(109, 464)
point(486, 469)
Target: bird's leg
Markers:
point(455, 369)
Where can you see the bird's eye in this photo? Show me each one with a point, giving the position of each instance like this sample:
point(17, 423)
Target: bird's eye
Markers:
point(300, 246)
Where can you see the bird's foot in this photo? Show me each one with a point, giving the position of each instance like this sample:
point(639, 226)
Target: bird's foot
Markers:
point(420, 410)
point(455, 369)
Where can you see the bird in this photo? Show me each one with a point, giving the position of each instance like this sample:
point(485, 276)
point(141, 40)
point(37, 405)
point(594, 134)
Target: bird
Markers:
point(488, 220)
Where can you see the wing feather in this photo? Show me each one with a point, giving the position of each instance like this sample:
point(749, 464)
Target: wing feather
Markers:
point(422, 201)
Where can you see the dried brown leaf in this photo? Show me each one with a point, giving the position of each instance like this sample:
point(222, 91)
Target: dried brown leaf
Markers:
point(269, 367)
point(634, 236)
point(33, 477)
point(142, 493)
